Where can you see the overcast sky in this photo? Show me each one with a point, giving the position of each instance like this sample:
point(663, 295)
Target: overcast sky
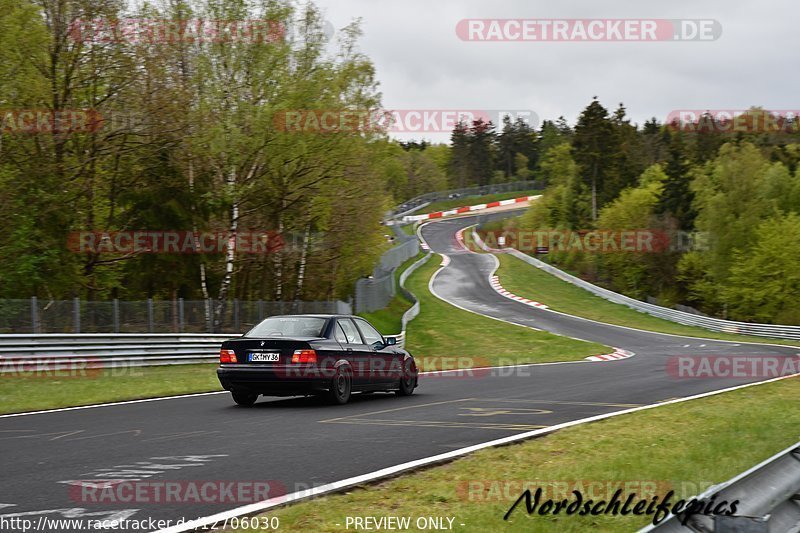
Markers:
point(422, 64)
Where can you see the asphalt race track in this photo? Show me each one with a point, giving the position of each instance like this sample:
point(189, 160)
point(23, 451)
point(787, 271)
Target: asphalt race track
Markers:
point(300, 443)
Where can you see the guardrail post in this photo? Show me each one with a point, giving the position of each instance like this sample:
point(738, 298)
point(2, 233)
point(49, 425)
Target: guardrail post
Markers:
point(150, 315)
point(115, 314)
point(76, 315)
point(180, 315)
point(236, 314)
point(260, 310)
point(34, 315)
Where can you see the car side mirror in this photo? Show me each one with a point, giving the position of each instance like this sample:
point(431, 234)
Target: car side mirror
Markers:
point(391, 341)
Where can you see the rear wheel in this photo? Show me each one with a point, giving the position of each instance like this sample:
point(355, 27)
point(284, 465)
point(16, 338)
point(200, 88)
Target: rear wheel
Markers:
point(341, 385)
point(409, 380)
point(245, 399)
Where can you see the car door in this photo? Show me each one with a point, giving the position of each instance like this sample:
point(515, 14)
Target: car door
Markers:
point(355, 351)
point(384, 364)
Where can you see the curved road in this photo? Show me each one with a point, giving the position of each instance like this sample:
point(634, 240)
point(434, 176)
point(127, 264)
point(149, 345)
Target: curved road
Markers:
point(52, 461)
point(641, 379)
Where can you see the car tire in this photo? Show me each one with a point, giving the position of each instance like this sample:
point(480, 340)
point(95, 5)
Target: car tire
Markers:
point(244, 399)
point(409, 380)
point(341, 386)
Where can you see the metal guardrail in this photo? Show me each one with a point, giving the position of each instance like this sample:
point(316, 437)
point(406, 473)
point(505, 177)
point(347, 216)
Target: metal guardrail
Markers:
point(178, 316)
point(768, 500)
point(673, 315)
point(51, 352)
point(413, 311)
point(681, 317)
point(418, 202)
point(377, 291)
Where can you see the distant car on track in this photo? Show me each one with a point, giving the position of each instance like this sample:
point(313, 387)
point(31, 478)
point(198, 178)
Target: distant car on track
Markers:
point(331, 355)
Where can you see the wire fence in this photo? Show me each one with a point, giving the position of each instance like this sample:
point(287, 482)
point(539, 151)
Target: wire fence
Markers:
point(376, 291)
point(149, 316)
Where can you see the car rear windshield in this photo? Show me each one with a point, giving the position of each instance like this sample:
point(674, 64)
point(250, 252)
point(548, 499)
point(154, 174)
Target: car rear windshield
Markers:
point(288, 326)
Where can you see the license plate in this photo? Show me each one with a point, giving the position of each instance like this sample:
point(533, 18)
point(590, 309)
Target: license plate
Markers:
point(265, 357)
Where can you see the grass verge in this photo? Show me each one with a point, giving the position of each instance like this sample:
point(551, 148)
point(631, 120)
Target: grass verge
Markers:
point(684, 447)
point(442, 332)
point(32, 393)
point(408, 229)
point(525, 280)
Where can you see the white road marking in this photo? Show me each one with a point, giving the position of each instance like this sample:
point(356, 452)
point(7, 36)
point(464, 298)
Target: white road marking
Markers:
point(110, 404)
point(338, 486)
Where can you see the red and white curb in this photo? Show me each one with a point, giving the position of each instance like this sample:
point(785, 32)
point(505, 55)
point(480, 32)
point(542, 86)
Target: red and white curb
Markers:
point(495, 283)
point(460, 240)
point(469, 208)
point(615, 356)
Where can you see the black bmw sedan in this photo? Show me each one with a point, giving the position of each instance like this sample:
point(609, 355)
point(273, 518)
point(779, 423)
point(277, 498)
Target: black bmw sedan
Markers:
point(332, 355)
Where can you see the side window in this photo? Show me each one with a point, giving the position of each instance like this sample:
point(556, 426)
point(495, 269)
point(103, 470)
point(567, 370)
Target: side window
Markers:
point(338, 334)
point(371, 335)
point(349, 330)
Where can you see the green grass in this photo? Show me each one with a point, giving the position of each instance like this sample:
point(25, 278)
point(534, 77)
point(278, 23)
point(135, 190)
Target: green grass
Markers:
point(408, 229)
point(35, 392)
point(685, 447)
point(389, 319)
point(444, 205)
point(525, 280)
point(444, 331)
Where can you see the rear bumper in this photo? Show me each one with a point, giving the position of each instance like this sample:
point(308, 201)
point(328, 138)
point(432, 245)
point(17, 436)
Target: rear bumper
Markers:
point(277, 380)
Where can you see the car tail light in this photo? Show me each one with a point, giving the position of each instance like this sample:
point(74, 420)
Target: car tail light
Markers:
point(304, 356)
point(227, 356)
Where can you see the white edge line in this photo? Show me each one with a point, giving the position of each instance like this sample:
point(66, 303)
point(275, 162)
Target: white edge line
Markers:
point(396, 469)
point(492, 273)
point(497, 265)
point(126, 402)
point(192, 395)
point(392, 470)
point(549, 309)
point(160, 398)
point(143, 400)
point(651, 332)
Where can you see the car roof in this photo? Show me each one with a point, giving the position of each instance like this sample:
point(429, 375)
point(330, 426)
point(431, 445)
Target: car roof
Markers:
point(314, 316)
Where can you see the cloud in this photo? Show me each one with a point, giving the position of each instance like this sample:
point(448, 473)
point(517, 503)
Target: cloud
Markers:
point(422, 64)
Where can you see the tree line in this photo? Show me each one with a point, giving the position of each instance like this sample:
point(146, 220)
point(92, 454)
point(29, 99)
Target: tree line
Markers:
point(725, 196)
point(182, 137)
point(182, 134)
